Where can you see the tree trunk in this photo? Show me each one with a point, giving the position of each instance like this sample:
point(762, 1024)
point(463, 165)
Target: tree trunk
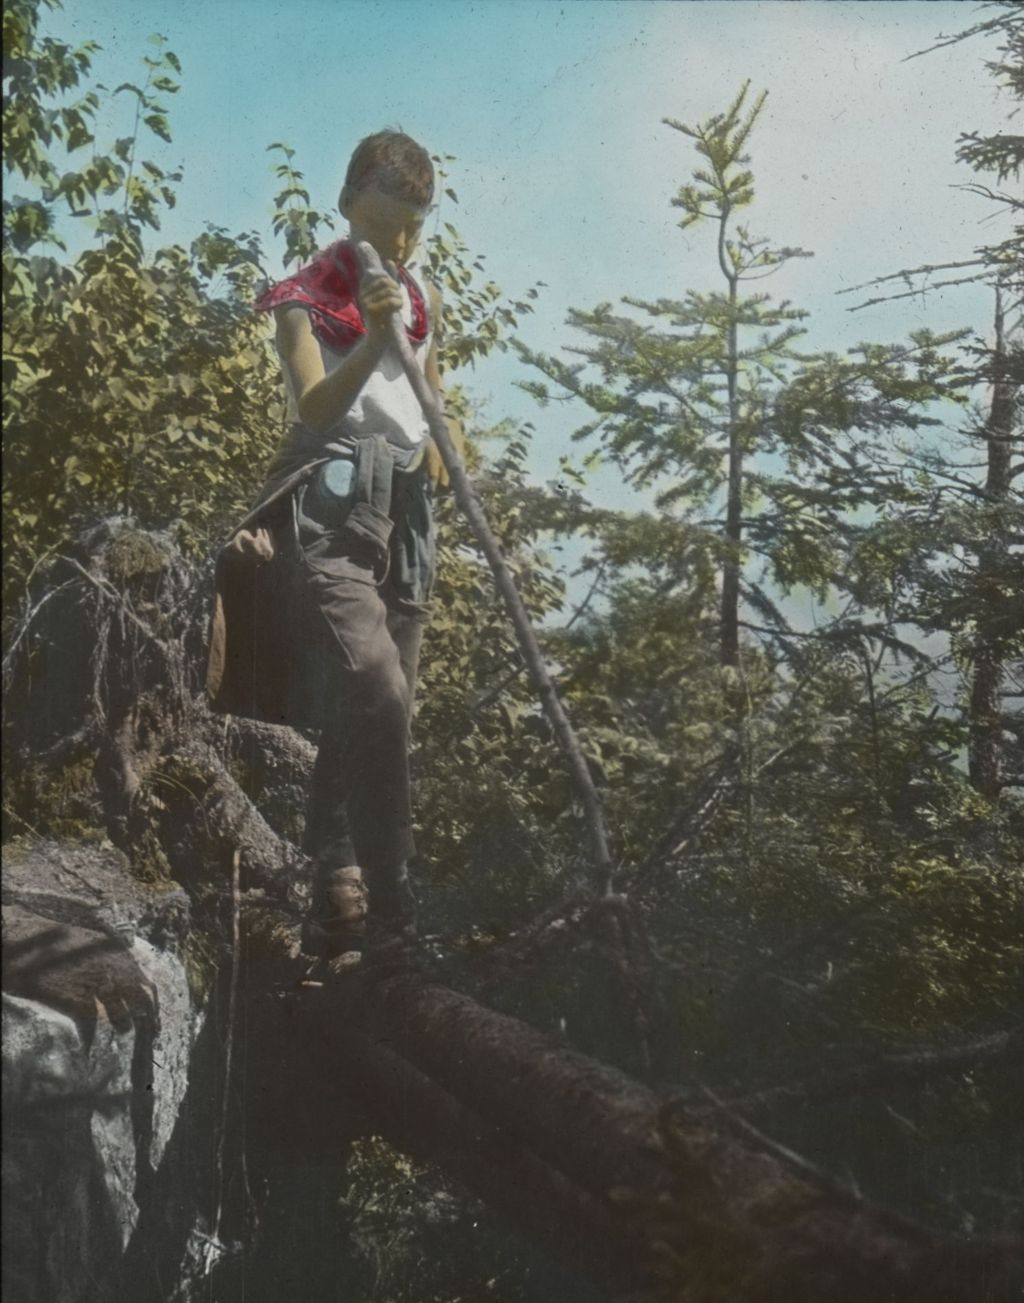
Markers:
point(985, 749)
point(730, 611)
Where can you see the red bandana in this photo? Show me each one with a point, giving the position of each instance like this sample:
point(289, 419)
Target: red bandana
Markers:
point(329, 285)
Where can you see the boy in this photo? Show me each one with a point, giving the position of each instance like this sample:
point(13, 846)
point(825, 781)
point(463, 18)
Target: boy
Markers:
point(346, 520)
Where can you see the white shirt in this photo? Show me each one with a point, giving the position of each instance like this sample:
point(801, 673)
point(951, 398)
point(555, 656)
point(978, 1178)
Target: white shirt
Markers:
point(387, 403)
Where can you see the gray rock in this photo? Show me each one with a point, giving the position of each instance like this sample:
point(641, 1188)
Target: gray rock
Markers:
point(98, 1036)
point(177, 1027)
point(92, 887)
point(69, 1150)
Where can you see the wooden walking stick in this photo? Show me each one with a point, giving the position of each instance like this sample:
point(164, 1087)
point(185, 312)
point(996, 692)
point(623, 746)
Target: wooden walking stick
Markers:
point(472, 509)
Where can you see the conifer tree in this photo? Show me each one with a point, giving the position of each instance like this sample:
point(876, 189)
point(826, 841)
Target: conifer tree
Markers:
point(964, 517)
point(757, 453)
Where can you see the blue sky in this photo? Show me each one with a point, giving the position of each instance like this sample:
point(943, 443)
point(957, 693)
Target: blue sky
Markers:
point(563, 169)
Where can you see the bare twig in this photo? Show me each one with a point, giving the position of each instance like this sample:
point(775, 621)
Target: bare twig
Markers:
point(912, 293)
point(26, 624)
point(884, 1073)
point(907, 272)
point(789, 1156)
point(986, 25)
point(108, 590)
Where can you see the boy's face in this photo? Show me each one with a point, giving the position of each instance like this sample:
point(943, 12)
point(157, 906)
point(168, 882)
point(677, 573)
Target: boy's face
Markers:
point(391, 225)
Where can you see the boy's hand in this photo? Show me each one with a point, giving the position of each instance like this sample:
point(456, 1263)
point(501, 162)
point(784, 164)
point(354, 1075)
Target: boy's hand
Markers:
point(435, 466)
point(380, 295)
point(250, 545)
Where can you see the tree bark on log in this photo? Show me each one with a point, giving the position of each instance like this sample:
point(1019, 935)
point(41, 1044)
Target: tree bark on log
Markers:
point(633, 1187)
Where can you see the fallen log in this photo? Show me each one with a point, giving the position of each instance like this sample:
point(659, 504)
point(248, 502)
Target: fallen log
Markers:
point(621, 1184)
point(420, 1118)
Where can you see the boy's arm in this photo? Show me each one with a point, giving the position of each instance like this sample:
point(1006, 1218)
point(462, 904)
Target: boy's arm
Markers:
point(432, 372)
point(323, 399)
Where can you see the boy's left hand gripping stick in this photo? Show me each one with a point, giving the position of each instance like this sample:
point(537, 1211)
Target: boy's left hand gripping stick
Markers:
point(466, 497)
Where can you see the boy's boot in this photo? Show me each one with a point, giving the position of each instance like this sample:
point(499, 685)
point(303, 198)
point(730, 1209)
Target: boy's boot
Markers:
point(338, 925)
point(391, 936)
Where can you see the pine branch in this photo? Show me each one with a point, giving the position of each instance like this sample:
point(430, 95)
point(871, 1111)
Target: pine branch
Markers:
point(988, 25)
point(907, 272)
point(921, 289)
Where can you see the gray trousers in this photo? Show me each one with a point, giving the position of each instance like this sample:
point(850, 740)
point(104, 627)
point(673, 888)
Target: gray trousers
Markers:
point(369, 613)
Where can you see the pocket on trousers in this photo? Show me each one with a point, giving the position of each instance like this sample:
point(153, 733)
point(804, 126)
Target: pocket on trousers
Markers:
point(365, 526)
point(325, 501)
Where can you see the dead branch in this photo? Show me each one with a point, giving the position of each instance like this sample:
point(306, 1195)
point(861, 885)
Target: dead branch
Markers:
point(471, 507)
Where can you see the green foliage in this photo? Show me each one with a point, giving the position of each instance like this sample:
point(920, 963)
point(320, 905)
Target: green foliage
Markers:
point(815, 867)
point(817, 876)
point(729, 184)
point(417, 1239)
point(959, 513)
point(140, 382)
point(1002, 154)
point(48, 803)
point(136, 383)
point(294, 218)
point(37, 69)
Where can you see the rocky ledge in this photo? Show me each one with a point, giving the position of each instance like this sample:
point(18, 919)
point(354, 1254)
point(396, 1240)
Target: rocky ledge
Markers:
point(99, 1035)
